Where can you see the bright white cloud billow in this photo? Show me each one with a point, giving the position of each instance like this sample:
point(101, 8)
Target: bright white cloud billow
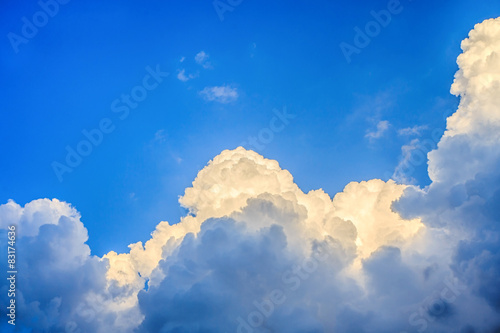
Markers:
point(257, 254)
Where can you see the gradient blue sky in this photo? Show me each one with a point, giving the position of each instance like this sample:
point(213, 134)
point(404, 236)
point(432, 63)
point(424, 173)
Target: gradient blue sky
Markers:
point(275, 54)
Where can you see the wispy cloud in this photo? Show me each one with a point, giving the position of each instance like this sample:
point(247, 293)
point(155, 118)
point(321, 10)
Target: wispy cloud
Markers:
point(181, 75)
point(202, 59)
point(382, 127)
point(253, 47)
point(415, 130)
point(221, 94)
point(160, 136)
point(401, 174)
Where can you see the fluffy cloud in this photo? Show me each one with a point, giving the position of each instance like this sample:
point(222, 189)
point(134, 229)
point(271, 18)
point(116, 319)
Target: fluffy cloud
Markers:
point(221, 94)
point(464, 196)
point(250, 231)
point(474, 127)
point(257, 254)
point(60, 286)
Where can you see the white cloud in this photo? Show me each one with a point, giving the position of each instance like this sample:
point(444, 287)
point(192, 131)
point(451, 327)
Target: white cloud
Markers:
point(405, 166)
point(60, 286)
point(412, 131)
point(181, 75)
point(382, 127)
point(461, 204)
point(474, 127)
point(160, 136)
point(202, 59)
point(35, 214)
point(221, 94)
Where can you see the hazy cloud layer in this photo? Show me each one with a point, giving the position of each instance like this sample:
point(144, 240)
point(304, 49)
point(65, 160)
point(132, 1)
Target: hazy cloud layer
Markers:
point(256, 254)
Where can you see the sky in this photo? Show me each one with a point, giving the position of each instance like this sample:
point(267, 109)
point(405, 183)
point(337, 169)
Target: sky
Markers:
point(121, 124)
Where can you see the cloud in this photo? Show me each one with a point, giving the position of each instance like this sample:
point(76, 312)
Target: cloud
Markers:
point(248, 221)
point(402, 172)
point(253, 48)
point(257, 254)
point(201, 59)
point(181, 75)
point(160, 136)
point(465, 169)
point(221, 94)
point(382, 127)
point(412, 131)
point(60, 285)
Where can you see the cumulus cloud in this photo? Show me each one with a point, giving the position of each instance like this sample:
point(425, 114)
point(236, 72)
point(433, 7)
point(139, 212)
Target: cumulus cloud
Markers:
point(464, 196)
point(60, 287)
point(221, 94)
point(257, 254)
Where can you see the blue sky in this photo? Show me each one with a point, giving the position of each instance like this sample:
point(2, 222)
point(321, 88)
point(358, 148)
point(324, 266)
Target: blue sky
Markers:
point(272, 55)
point(376, 218)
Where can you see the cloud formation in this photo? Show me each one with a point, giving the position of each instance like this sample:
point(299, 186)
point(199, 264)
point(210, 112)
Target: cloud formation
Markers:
point(201, 59)
point(382, 127)
point(181, 75)
point(412, 131)
point(221, 94)
point(257, 254)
